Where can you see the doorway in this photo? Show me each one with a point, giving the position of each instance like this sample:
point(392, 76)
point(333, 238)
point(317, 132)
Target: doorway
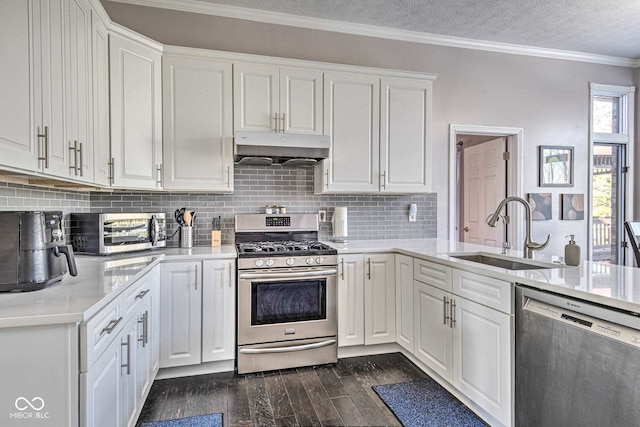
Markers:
point(481, 176)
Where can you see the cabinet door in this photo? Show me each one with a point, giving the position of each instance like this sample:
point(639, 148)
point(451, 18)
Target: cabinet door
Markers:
point(433, 333)
point(405, 135)
point(129, 372)
point(180, 314)
point(142, 361)
point(100, 102)
point(351, 300)
point(351, 118)
point(379, 299)
point(404, 301)
point(78, 57)
point(255, 98)
point(482, 340)
point(136, 113)
point(218, 310)
point(154, 320)
point(301, 101)
point(18, 128)
point(198, 134)
point(101, 389)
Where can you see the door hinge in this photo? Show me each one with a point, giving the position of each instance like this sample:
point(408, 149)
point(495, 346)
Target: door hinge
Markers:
point(625, 244)
point(625, 169)
point(506, 155)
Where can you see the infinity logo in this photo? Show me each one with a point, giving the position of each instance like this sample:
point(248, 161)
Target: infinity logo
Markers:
point(33, 403)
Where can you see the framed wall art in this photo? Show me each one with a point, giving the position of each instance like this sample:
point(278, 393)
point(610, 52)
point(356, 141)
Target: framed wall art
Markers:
point(572, 206)
point(540, 206)
point(555, 166)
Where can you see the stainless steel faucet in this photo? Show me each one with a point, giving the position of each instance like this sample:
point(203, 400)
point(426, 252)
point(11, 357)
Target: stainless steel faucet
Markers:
point(529, 245)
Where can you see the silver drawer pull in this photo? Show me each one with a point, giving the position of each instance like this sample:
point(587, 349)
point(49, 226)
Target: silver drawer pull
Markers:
point(142, 294)
point(287, 349)
point(112, 325)
point(128, 364)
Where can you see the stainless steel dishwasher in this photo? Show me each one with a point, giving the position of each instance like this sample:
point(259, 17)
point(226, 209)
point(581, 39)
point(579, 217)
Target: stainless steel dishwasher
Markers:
point(577, 363)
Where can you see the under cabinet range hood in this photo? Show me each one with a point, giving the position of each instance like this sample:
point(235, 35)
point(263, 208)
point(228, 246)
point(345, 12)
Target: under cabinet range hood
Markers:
point(267, 148)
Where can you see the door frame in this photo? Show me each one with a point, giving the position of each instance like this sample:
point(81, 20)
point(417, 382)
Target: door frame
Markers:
point(514, 138)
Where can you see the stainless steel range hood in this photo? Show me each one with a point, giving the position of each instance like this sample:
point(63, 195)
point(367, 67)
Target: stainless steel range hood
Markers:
point(266, 148)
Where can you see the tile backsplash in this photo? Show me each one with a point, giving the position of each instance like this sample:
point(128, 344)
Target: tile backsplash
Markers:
point(370, 216)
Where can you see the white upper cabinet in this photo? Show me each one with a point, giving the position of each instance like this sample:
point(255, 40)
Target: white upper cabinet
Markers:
point(136, 110)
point(351, 119)
point(101, 143)
point(78, 73)
point(405, 135)
point(272, 99)
point(197, 117)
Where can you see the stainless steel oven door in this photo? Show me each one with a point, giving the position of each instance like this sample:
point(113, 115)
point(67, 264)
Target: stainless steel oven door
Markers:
point(286, 304)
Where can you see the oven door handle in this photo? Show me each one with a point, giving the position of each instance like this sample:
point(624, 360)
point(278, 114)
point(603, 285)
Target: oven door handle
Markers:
point(300, 275)
point(286, 349)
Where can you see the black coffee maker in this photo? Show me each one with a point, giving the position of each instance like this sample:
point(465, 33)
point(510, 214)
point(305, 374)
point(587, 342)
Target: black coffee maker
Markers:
point(31, 249)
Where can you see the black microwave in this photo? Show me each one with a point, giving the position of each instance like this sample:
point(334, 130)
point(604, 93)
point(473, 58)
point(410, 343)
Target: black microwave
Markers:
point(110, 233)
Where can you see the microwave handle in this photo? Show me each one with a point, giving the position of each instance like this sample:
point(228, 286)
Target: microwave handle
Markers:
point(153, 230)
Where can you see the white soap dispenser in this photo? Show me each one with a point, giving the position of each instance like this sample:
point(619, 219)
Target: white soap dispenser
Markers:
point(572, 251)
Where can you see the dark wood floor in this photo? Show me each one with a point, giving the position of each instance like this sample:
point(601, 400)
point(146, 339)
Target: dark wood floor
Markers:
point(331, 395)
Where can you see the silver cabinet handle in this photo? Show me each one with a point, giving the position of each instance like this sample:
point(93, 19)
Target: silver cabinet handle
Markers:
point(196, 278)
point(275, 117)
point(144, 339)
point(128, 364)
point(283, 122)
point(319, 273)
point(45, 135)
point(142, 294)
point(384, 180)
point(453, 313)
point(444, 311)
point(342, 269)
point(81, 161)
point(369, 268)
point(326, 175)
point(74, 151)
point(286, 349)
point(112, 170)
point(112, 325)
point(230, 278)
point(159, 175)
point(228, 176)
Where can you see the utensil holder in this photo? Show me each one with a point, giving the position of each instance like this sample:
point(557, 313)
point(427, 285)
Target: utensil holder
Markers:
point(216, 238)
point(186, 237)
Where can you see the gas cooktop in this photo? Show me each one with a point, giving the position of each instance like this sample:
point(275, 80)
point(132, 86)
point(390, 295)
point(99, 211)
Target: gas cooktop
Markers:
point(284, 248)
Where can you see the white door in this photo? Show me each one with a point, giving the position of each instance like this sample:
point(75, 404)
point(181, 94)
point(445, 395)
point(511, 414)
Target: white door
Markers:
point(379, 299)
point(484, 188)
point(19, 146)
point(255, 98)
point(180, 314)
point(136, 113)
point(404, 301)
point(218, 310)
point(198, 134)
point(350, 300)
point(301, 101)
point(101, 143)
point(405, 135)
point(78, 92)
point(433, 335)
point(482, 357)
point(352, 119)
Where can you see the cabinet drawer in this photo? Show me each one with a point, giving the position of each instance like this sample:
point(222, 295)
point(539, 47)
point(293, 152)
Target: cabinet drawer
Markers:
point(488, 291)
point(136, 294)
point(433, 274)
point(97, 333)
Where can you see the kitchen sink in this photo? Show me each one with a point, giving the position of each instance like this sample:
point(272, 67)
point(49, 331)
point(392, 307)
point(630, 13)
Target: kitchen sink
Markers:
point(509, 263)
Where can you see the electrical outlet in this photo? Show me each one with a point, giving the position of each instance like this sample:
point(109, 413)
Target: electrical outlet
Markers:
point(322, 215)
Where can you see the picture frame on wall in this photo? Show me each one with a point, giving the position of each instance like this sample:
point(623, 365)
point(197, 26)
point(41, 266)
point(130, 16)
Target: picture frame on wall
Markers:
point(572, 207)
point(541, 205)
point(555, 166)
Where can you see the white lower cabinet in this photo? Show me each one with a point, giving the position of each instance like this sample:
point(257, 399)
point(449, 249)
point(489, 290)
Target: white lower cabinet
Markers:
point(404, 302)
point(197, 311)
point(466, 343)
point(366, 299)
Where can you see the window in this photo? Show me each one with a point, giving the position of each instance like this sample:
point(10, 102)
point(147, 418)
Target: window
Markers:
point(611, 129)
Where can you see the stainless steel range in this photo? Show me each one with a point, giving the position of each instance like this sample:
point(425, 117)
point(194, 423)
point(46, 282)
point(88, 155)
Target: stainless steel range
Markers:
point(287, 315)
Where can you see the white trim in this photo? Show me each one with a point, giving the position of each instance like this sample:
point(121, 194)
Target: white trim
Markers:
point(121, 31)
point(381, 32)
point(196, 53)
point(515, 177)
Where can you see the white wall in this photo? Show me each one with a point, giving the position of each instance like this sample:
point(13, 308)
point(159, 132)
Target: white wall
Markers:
point(548, 98)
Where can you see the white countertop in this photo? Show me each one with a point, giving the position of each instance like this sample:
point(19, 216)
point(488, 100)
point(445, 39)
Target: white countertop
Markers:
point(99, 281)
point(610, 285)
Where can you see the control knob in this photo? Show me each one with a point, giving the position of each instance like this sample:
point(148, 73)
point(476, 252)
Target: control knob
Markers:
point(319, 260)
point(269, 262)
point(290, 261)
point(259, 263)
point(309, 260)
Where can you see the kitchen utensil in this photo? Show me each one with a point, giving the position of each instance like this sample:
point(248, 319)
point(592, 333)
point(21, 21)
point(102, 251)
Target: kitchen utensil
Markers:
point(187, 219)
point(215, 224)
point(179, 216)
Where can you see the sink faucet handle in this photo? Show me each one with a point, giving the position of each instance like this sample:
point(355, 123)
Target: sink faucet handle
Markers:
point(539, 246)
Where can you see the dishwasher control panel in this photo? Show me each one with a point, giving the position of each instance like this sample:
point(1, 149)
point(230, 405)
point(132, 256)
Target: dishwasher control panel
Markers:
point(602, 327)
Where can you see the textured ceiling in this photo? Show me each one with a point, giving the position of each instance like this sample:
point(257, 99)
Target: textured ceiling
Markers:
point(604, 27)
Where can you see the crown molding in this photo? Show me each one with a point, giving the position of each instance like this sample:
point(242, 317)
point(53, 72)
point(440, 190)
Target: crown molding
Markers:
point(134, 36)
point(381, 32)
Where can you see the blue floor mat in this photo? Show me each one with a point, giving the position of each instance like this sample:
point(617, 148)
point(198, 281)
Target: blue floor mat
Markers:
point(426, 403)
point(211, 420)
